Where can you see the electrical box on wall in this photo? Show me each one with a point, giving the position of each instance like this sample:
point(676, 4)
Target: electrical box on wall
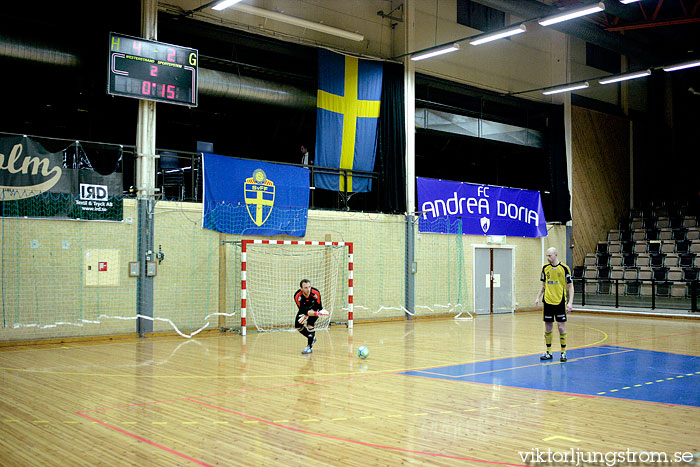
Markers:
point(101, 267)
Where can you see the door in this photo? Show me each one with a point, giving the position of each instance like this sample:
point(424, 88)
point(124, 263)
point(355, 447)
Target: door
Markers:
point(493, 280)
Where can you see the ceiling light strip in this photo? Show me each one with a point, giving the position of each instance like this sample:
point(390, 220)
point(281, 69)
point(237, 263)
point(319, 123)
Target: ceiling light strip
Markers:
point(567, 88)
point(498, 35)
point(625, 77)
point(432, 53)
point(225, 4)
point(282, 18)
point(571, 14)
point(682, 66)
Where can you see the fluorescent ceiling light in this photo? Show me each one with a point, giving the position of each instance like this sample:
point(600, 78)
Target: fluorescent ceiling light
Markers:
point(628, 1)
point(682, 66)
point(499, 35)
point(625, 77)
point(571, 14)
point(303, 23)
point(566, 88)
point(224, 4)
point(433, 53)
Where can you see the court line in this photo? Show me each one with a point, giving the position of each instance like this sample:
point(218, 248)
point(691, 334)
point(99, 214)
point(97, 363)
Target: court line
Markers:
point(346, 440)
point(518, 367)
point(243, 391)
point(229, 376)
point(660, 337)
point(144, 440)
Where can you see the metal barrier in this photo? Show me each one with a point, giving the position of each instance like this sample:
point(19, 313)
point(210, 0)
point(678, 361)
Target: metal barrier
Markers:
point(689, 301)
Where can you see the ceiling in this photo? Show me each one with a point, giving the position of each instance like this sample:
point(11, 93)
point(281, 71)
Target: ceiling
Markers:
point(52, 101)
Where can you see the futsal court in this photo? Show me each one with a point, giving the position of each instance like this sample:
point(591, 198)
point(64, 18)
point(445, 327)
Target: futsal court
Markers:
point(431, 392)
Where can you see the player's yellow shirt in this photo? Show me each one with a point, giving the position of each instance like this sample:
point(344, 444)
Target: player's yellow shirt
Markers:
point(555, 280)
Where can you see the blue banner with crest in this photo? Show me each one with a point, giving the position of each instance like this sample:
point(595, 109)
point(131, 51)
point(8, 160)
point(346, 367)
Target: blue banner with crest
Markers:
point(479, 209)
point(246, 197)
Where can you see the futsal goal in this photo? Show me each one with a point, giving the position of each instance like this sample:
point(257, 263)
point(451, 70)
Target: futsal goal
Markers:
point(271, 271)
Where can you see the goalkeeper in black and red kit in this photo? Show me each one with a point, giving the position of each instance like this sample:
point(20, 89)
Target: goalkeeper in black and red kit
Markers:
point(308, 300)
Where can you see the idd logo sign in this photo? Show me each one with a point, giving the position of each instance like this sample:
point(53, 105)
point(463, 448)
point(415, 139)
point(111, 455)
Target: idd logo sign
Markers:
point(94, 192)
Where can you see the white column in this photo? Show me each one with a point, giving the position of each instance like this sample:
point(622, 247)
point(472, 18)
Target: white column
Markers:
point(410, 105)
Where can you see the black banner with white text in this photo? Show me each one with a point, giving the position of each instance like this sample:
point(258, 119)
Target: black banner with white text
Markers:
point(70, 180)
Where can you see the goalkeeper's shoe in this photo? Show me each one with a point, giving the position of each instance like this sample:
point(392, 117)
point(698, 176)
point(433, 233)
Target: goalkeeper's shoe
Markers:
point(307, 349)
point(563, 357)
point(546, 356)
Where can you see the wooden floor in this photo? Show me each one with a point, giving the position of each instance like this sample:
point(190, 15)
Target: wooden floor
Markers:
point(213, 400)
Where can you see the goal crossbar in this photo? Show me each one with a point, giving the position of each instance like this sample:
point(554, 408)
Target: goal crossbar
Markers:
point(244, 261)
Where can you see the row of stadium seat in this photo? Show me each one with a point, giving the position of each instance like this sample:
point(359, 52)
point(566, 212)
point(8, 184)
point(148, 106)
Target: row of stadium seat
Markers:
point(658, 222)
point(667, 233)
point(648, 246)
point(668, 282)
point(655, 209)
point(633, 260)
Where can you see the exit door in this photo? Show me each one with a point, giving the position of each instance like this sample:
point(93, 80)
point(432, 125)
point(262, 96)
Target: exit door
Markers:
point(493, 280)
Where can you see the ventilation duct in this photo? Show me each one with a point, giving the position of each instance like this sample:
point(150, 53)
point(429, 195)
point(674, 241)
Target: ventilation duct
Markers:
point(211, 83)
point(36, 52)
point(243, 88)
point(436, 120)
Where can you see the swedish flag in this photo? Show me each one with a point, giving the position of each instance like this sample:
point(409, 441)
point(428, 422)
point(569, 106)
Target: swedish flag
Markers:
point(349, 93)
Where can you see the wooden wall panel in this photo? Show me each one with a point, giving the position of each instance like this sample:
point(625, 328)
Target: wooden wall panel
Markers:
point(600, 177)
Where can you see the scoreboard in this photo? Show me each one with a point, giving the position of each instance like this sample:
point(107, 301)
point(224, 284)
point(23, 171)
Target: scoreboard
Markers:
point(151, 70)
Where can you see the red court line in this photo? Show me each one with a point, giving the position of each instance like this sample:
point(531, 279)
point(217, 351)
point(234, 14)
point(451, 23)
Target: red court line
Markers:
point(268, 388)
point(345, 440)
point(144, 440)
point(571, 394)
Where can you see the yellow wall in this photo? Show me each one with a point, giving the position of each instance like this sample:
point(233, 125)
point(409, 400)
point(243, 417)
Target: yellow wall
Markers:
point(47, 291)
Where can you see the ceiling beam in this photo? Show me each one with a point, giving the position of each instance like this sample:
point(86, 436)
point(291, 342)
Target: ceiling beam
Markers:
point(653, 24)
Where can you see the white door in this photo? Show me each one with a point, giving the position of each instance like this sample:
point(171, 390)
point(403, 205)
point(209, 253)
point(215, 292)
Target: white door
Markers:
point(493, 280)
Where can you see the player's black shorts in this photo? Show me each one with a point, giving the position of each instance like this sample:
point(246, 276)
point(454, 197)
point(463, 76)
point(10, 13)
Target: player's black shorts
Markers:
point(554, 312)
point(310, 321)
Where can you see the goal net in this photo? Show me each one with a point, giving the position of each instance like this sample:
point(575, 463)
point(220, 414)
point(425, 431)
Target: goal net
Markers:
point(271, 271)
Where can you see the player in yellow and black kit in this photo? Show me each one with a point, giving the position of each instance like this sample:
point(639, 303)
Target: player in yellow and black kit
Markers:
point(557, 287)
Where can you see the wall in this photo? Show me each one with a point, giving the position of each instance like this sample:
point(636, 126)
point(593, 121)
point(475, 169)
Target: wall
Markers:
point(47, 291)
point(601, 177)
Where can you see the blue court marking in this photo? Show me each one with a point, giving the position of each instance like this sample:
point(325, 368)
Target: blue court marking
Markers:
point(606, 370)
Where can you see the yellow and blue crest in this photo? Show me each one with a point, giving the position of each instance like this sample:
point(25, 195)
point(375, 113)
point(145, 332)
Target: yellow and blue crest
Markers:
point(259, 196)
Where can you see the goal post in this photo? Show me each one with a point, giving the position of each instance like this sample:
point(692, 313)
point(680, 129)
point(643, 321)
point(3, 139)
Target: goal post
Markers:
point(270, 274)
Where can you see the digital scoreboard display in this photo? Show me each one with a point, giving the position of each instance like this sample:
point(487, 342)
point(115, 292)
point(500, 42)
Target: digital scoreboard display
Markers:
point(152, 70)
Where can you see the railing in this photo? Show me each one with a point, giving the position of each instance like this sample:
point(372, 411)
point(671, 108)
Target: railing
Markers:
point(189, 166)
point(191, 162)
point(617, 297)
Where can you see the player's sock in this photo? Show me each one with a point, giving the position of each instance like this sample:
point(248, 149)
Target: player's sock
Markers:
point(311, 338)
point(562, 341)
point(548, 341)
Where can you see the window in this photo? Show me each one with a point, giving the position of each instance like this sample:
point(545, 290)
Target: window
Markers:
point(602, 59)
point(478, 16)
